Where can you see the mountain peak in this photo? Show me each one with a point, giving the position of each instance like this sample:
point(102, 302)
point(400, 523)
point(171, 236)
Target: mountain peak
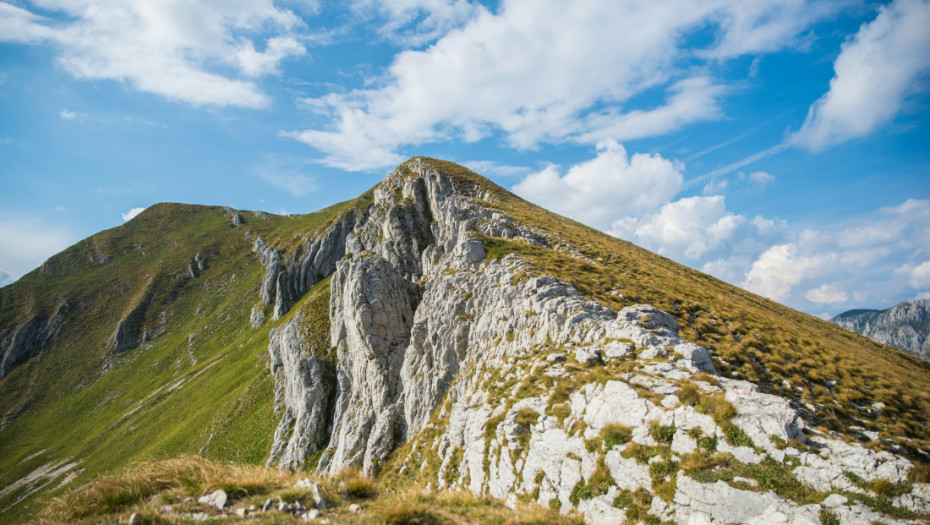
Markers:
point(439, 330)
point(905, 326)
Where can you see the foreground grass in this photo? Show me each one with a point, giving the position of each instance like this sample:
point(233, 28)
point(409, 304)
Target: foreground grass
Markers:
point(149, 487)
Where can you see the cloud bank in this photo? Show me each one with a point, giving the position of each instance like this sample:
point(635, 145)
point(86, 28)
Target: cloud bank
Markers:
point(170, 49)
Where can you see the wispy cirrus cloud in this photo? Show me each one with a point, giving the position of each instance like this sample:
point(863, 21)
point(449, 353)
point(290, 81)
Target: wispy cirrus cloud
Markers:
point(25, 243)
point(875, 72)
point(67, 114)
point(289, 178)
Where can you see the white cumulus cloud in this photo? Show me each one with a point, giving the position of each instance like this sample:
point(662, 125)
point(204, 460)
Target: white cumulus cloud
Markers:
point(876, 262)
point(127, 216)
point(874, 74)
point(547, 71)
point(166, 48)
point(606, 188)
point(826, 294)
point(761, 178)
point(782, 267)
point(920, 276)
point(691, 227)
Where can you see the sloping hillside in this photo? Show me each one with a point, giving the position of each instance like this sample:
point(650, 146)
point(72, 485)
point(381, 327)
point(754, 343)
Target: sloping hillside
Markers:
point(189, 374)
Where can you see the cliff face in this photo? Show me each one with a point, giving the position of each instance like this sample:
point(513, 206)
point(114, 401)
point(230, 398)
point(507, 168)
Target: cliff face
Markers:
point(27, 339)
point(905, 326)
point(475, 372)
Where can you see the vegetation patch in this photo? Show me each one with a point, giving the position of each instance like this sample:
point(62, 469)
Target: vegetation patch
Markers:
point(717, 407)
point(660, 433)
point(636, 504)
point(689, 395)
point(597, 485)
point(611, 435)
point(706, 467)
point(643, 453)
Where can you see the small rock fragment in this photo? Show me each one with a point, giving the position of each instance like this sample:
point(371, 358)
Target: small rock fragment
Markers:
point(749, 481)
point(311, 514)
point(585, 357)
point(216, 499)
point(356, 508)
point(267, 506)
point(135, 519)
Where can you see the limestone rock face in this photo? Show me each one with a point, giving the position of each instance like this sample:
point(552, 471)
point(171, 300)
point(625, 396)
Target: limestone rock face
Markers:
point(905, 326)
point(372, 310)
point(498, 379)
point(305, 386)
point(302, 269)
point(288, 278)
point(29, 338)
point(129, 331)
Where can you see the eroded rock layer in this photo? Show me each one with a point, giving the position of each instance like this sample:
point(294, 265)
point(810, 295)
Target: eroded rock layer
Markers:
point(484, 374)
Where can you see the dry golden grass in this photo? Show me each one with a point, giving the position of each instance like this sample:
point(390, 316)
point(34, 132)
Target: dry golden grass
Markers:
point(147, 487)
point(750, 337)
point(114, 494)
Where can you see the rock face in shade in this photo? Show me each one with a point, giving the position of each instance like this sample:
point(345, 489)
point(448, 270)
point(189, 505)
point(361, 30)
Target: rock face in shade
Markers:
point(29, 338)
point(905, 326)
point(439, 349)
point(129, 331)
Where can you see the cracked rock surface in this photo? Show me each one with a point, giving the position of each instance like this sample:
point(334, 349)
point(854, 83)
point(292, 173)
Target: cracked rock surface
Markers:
point(489, 376)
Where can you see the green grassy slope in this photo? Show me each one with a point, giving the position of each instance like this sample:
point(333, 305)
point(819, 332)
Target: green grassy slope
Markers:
point(202, 386)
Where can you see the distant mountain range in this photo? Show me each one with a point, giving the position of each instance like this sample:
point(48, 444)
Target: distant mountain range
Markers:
point(904, 326)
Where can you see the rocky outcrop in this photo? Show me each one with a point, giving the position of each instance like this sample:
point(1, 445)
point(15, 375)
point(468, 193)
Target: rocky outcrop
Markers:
point(905, 326)
point(288, 278)
point(371, 311)
point(195, 267)
point(315, 260)
point(29, 338)
point(498, 379)
point(129, 331)
point(305, 387)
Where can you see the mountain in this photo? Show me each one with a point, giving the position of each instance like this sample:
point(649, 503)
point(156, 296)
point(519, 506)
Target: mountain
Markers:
point(441, 334)
point(905, 326)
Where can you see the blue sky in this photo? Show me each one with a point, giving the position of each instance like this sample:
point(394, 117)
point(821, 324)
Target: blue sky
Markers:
point(779, 145)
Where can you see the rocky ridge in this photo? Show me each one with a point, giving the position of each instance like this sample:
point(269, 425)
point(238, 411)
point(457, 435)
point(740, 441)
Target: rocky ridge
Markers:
point(905, 326)
point(479, 373)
